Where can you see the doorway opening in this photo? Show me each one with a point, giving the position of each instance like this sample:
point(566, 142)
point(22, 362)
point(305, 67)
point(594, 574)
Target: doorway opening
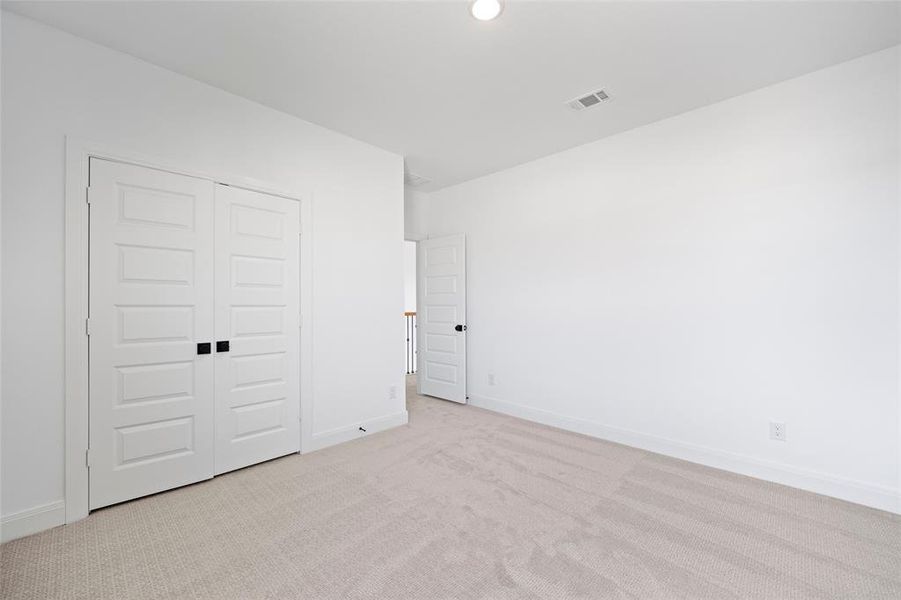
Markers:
point(410, 349)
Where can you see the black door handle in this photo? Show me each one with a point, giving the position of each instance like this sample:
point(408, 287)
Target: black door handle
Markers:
point(460, 328)
point(222, 346)
point(203, 348)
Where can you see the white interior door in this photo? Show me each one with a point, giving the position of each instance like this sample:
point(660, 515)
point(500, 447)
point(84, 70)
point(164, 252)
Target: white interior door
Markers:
point(151, 302)
point(441, 318)
point(257, 327)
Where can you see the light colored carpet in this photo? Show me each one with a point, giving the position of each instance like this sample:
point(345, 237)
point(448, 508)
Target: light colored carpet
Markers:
point(465, 503)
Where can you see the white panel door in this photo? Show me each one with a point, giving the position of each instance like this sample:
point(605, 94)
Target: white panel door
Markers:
point(151, 302)
point(257, 327)
point(441, 322)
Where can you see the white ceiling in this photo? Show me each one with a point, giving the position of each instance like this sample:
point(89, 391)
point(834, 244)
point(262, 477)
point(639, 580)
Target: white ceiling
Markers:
point(462, 98)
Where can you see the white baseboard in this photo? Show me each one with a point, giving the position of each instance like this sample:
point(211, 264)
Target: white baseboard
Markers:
point(875, 496)
point(50, 515)
point(32, 520)
point(339, 435)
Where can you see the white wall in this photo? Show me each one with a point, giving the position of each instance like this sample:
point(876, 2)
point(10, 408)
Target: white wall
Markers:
point(678, 286)
point(415, 206)
point(1, 279)
point(409, 276)
point(55, 85)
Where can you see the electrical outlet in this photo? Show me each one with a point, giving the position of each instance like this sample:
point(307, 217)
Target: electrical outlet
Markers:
point(490, 378)
point(392, 392)
point(777, 431)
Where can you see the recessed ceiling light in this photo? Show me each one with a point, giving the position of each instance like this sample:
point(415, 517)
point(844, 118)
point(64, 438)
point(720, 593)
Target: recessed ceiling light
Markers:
point(485, 10)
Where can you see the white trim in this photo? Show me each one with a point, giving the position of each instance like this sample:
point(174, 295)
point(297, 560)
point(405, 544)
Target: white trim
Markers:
point(78, 154)
point(876, 496)
point(306, 325)
point(76, 370)
point(33, 520)
point(99, 150)
point(324, 439)
point(898, 365)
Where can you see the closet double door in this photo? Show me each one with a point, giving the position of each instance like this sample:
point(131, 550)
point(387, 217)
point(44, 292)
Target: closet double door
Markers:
point(193, 330)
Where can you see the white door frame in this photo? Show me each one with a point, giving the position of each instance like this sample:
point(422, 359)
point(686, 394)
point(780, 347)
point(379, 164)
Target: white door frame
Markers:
point(78, 155)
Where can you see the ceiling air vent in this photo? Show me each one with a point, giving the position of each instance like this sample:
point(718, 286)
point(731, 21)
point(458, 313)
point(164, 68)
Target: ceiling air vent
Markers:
point(413, 180)
point(589, 100)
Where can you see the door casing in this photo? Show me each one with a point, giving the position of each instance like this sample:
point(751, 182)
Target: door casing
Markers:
point(78, 154)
